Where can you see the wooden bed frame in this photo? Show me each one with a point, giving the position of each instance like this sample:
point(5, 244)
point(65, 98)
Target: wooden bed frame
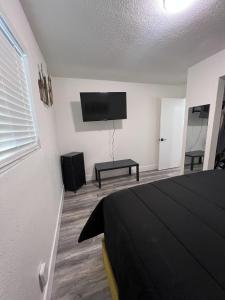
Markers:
point(111, 279)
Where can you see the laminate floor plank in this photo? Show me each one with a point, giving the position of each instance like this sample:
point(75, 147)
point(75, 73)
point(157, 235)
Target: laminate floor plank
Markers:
point(79, 272)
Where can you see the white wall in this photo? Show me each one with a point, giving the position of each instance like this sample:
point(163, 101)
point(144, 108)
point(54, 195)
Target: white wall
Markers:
point(204, 86)
point(135, 138)
point(30, 191)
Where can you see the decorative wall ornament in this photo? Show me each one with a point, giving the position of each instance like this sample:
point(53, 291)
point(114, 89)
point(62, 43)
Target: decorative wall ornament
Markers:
point(41, 84)
point(45, 87)
point(50, 93)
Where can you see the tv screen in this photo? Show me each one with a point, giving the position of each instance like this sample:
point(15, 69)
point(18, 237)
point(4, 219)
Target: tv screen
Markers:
point(103, 106)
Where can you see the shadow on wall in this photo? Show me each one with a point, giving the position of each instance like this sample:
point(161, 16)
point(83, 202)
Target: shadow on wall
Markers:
point(80, 126)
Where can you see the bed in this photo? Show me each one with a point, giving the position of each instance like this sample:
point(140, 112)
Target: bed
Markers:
point(166, 239)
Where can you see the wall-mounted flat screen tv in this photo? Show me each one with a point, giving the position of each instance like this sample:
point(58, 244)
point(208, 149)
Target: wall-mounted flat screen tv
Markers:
point(103, 106)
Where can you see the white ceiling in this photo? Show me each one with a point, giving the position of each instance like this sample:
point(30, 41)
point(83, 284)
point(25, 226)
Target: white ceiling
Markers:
point(126, 40)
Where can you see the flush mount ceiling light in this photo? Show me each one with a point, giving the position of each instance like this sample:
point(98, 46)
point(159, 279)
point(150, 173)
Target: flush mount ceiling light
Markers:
point(174, 6)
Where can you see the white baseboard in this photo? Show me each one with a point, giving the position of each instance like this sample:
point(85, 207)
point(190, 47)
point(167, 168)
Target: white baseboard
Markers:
point(148, 168)
point(51, 265)
point(89, 177)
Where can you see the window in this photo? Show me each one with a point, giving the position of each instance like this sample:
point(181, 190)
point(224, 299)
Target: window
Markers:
point(18, 134)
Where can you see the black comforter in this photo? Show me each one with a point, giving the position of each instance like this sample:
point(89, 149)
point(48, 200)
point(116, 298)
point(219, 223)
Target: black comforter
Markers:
point(166, 240)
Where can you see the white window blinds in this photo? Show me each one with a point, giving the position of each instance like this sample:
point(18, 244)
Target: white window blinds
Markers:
point(17, 130)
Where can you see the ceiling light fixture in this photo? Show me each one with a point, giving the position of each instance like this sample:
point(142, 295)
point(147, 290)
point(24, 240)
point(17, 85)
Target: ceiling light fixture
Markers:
point(174, 6)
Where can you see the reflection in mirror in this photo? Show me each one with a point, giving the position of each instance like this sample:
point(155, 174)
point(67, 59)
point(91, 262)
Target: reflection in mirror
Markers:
point(220, 150)
point(196, 138)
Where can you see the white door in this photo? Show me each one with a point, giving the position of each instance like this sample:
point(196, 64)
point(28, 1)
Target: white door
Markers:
point(171, 133)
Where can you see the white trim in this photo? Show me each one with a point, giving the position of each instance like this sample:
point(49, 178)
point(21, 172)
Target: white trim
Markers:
point(148, 167)
point(52, 259)
point(89, 177)
point(16, 157)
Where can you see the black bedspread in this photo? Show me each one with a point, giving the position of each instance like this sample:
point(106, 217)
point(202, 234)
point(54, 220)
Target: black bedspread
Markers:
point(166, 240)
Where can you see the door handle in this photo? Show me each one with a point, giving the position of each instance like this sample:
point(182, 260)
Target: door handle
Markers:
point(162, 139)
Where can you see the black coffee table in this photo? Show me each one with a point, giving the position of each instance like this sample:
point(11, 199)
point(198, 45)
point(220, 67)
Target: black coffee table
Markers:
point(113, 165)
point(192, 154)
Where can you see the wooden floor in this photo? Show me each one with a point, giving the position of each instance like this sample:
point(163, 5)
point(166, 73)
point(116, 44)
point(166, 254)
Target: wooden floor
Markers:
point(79, 272)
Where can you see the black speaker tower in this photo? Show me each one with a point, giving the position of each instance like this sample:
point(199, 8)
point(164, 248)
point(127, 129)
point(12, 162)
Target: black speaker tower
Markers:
point(73, 171)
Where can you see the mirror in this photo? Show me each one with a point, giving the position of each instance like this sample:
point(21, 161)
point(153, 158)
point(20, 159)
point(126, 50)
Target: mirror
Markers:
point(196, 138)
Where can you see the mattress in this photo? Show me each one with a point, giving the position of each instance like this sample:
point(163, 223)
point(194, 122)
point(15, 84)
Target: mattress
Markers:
point(166, 239)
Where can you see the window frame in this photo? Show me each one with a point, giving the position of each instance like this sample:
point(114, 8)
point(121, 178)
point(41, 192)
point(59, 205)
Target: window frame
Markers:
point(15, 42)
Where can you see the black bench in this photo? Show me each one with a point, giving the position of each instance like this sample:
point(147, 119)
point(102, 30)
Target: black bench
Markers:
point(113, 165)
point(192, 154)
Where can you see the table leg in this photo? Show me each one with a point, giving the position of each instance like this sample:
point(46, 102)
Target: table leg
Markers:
point(192, 163)
point(99, 179)
point(137, 172)
point(129, 170)
point(96, 175)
